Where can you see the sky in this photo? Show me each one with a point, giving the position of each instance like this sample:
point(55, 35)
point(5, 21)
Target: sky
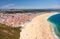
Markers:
point(29, 4)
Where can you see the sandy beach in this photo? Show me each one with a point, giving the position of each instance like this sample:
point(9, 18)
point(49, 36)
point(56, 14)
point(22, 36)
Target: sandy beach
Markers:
point(38, 28)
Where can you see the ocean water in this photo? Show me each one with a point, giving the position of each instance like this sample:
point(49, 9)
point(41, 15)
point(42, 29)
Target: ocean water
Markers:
point(55, 21)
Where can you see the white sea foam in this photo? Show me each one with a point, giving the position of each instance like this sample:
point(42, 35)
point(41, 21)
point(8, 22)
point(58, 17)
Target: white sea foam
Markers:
point(53, 26)
point(54, 31)
point(53, 14)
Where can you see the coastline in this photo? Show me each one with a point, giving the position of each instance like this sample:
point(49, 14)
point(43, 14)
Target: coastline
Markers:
point(38, 22)
point(54, 29)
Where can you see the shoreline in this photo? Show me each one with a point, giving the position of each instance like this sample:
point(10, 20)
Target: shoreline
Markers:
point(53, 27)
point(38, 22)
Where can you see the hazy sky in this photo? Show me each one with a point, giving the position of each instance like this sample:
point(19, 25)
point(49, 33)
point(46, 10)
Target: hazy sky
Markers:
point(29, 4)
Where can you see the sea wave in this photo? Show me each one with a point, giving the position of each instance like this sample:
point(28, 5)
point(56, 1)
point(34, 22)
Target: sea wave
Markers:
point(54, 21)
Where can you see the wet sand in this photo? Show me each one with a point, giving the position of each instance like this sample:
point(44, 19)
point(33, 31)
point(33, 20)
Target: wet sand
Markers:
point(38, 28)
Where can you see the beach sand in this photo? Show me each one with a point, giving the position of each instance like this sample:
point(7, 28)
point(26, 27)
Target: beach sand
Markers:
point(38, 28)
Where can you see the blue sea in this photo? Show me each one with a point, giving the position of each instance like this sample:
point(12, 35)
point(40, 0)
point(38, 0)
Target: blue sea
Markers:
point(55, 21)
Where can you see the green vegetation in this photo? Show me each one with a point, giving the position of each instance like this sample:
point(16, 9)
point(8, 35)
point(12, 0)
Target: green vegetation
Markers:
point(7, 32)
point(13, 11)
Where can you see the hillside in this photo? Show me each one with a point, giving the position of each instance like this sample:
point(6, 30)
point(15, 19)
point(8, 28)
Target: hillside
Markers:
point(7, 32)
